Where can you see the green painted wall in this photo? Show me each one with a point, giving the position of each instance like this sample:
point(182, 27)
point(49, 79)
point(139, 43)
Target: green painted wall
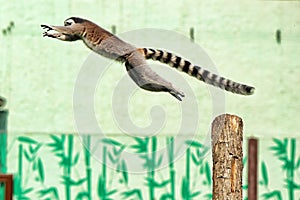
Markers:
point(38, 74)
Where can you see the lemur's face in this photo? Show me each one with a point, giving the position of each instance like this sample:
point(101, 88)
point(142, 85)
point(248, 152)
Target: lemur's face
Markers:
point(69, 22)
point(72, 29)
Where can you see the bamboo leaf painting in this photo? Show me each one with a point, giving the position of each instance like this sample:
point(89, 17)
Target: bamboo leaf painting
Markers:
point(103, 192)
point(245, 160)
point(52, 192)
point(166, 196)
point(133, 193)
point(272, 194)
point(201, 169)
point(124, 172)
point(195, 194)
point(76, 158)
point(27, 140)
point(264, 174)
point(118, 150)
point(207, 173)
point(159, 161)
point(111, 158)
point(208, 196)
point(69, 181)
point(111, 142)
point(57, 143)
point(291, 184)
point(194, 143)
point(184, 191)
point(112, 192)
point(152, 182)
point(298, 163)
point(26, 191)
point(196, 160)
point(101, 187)
point(40, 170)
point(27, 156)
point(198, 153)
point(82, 195)
point(64, 160)
point(25, 198)
point(34, 150)
point(280, 147)
point(141, 145)
point(285, 151)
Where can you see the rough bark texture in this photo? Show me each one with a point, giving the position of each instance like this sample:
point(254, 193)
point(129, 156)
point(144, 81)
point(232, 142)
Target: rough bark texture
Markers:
point(227, 152)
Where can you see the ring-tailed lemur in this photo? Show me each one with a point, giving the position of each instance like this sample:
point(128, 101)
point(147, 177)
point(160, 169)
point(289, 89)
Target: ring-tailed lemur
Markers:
point(110, 46)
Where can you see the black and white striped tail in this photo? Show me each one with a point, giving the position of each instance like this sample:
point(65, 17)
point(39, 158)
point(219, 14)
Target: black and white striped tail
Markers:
point(197, 72)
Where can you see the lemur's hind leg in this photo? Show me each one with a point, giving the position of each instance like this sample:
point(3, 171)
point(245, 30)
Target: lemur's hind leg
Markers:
point(147, 79)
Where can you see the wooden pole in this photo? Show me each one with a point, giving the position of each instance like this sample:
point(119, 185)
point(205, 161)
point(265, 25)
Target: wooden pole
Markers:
point(252, 169)
point(7, 179)
point(227, 153)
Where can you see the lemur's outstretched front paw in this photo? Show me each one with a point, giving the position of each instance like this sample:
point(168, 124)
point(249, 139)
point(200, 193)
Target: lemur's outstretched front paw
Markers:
point(50, 32)
point(47, 28)
point(52, 35)
point(44, 26)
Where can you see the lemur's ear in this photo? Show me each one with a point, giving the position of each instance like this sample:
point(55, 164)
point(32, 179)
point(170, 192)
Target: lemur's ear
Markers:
point(73, 20)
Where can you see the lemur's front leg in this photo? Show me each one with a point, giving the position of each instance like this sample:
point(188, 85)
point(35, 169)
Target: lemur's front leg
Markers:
point(58, 33)
point(50, 32)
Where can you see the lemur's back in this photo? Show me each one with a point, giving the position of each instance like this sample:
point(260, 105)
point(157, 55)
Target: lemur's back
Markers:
point(104, 42)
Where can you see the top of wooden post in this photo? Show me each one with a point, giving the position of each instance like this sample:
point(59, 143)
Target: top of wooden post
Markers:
point(227, 152)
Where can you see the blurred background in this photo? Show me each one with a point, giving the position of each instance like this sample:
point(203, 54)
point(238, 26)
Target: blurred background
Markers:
point(253, 42)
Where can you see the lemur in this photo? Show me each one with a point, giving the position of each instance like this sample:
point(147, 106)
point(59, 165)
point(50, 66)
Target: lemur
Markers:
point(108, 45)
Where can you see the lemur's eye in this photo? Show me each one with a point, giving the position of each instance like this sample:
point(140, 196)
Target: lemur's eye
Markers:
point(69, 22)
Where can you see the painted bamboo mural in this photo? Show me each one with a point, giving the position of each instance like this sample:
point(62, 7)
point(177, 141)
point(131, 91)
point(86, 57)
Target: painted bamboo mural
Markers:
point(29, 157)
point(87, 159)
point(285, 151)
point(170, 150)
point(151, 159)
point(62, 147)
point(80, 176)
point(185, 187)
point(171, 166)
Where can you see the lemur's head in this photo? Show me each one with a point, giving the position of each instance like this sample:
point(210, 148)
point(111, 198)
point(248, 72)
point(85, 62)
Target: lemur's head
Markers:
point(74, 20)
point(73, 29)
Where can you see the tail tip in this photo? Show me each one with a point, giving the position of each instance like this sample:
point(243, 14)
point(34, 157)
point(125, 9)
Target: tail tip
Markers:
point(249, 90)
